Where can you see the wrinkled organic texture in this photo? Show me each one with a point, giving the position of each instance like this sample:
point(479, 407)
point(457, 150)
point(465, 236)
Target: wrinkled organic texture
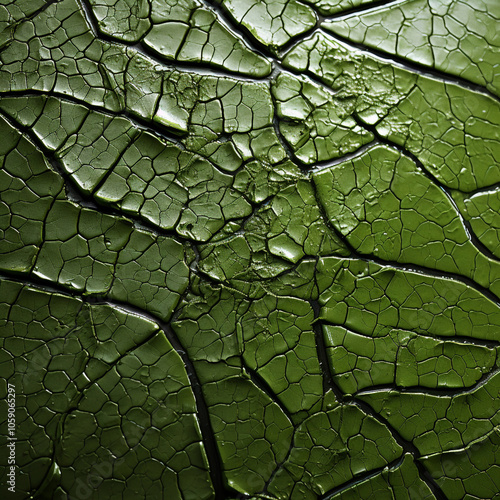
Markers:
point(251, 249)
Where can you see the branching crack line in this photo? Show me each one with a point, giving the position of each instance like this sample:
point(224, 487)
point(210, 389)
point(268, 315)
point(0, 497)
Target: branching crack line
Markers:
point(214, 459)
point(226, 19)
point(430, 391)
point(383, 140)
point(15, 24)
point(208, 436)
point(264, 386)
point(426, 271)
point(361, 478)
point(200, 67)
point(407, 446)
point(76, 196)
point(135, 119)
point(328, 381)
point(490, 344)
point(345, 399)
point(414, 67)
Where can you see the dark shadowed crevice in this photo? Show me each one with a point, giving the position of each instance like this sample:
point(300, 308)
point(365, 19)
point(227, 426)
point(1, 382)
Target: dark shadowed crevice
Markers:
point(74, 194)
point(407, 446)
point(194, 249)
point(328, 382)
point(203, 415)
point(199, 67)
point(403, 150)
point(227, 20)
point(360, 478)
point(135, 119)
point(361, 9)
point(414, 67)
point(279, 465)
point(208, 436)
point(22, 20)
point(276, 124)
point(264, 386)
point(323, 165)
point(429, 391)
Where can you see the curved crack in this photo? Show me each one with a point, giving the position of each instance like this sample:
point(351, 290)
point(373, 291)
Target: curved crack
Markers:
point(362, 8)
point(360, 478)
point(208, 437)
point(414, 67)
point(135, 119)
point(200, 67)
point(213, 457)
point(470, 232)
point(427, 390)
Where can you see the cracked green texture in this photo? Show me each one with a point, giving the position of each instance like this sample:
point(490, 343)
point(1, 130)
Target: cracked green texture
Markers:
point(457, 37)
point(107, 387)
point(385, 205)
point(250, 249)
point(182, 31)
point(448, 127)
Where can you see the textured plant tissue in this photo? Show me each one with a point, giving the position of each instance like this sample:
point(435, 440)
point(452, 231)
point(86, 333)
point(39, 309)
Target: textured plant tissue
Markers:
point(250, 249)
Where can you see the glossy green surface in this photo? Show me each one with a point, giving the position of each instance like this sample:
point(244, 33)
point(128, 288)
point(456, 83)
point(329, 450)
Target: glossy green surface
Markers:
point(250, 249)
point(458, 37)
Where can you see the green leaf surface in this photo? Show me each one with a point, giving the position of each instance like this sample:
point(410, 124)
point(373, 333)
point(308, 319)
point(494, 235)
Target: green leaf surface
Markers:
point(250, 249)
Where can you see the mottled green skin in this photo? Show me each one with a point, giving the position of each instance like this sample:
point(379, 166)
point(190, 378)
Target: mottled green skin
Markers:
point(243, 257)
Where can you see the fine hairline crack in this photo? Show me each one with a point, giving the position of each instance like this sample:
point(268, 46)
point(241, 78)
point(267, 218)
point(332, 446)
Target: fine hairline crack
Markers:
point(207, 432)
point(208, 436)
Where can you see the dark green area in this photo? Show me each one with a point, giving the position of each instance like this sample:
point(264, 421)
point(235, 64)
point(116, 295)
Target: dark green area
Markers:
point(250, 249)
